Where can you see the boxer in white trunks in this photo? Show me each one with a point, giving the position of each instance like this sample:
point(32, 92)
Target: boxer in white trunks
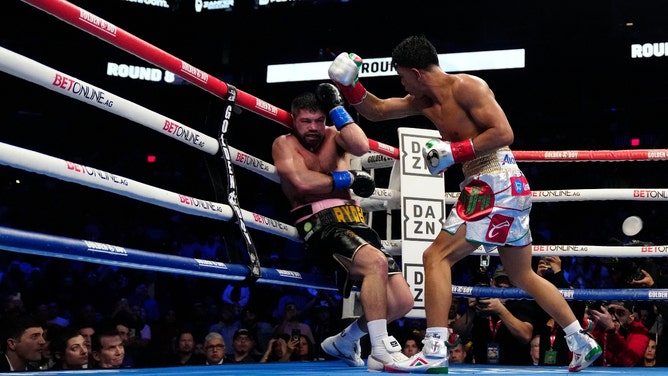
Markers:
point(475, 131)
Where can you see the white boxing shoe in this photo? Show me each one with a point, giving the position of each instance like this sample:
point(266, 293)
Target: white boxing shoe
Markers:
point(584, 348)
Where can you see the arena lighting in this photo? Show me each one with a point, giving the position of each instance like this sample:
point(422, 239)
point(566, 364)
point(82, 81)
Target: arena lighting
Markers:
point(374, 67)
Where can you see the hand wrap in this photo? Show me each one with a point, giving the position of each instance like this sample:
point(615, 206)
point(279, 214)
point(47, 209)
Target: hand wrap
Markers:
point(439, 154)
point(332, 102)
point(360, 182)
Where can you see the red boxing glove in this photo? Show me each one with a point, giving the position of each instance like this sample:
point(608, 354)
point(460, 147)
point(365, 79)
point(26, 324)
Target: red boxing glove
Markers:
point(355, 94)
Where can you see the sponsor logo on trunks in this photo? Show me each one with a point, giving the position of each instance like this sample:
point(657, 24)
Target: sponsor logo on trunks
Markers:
point(476, 201)
point(508, 159)
point(520, 186)
point(498, 229)
point(326, 217)
point(348, 213)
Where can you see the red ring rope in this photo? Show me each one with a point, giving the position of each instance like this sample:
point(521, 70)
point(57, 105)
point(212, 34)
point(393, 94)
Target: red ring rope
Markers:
point(108, 32)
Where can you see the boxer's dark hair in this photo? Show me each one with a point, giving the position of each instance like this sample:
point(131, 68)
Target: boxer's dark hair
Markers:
point(305, 101)
point(14, 326)
point(415, 52)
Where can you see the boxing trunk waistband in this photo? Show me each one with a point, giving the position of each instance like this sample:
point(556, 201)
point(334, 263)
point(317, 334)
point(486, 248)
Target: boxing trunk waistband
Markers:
point(494, 162)
point(311, 217)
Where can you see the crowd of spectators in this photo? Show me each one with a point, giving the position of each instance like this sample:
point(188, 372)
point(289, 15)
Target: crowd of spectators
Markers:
point(134, 318)
point(157, 319)
point(516, 332)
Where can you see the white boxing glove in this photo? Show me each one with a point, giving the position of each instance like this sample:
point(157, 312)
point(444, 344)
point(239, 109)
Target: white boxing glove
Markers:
point(345, 69)
point(440, 154)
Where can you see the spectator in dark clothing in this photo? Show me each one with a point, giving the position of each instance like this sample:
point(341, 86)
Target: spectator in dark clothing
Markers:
point(243, 347)
point(261, 330)
point(107, 347)
point(553, 349)
point(68, 349)
point(227, 325)
point(22, 343)
point(214, 349)
point(185, 351)
point(502, 329)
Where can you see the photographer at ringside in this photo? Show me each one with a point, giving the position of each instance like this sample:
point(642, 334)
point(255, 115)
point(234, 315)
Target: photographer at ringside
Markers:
point(656, 280)
point(502, 328)
point(552, 347)
point(639, 272)
point(623, 337)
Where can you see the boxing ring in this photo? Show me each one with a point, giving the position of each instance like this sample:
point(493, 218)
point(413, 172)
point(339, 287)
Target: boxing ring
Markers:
point(384, 200)
point(337, 368)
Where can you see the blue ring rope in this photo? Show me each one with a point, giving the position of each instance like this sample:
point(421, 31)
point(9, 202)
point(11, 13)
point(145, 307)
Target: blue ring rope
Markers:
point(23, 241)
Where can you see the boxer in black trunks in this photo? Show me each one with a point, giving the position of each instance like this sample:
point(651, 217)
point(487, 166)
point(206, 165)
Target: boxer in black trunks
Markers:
point(313, 163)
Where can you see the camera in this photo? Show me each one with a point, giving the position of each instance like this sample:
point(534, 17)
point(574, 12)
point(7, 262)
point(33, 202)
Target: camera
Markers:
point(296, 333)
point(629, 270)
point(596, 304)
point(481, 277)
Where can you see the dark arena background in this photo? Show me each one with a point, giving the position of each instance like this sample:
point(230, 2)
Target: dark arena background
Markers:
point(595, 77)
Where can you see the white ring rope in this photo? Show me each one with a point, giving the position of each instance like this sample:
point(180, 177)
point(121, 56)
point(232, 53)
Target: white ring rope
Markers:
point(394, 247)
point(561, 195)
point(384, 199)
point(65, 84)
point(29, 160)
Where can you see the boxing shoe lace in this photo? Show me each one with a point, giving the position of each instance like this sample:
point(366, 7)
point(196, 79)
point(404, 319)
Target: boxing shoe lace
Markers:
point(434, 346)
